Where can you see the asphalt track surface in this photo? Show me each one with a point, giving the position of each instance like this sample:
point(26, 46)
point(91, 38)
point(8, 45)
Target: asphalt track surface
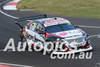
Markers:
point(8, 29)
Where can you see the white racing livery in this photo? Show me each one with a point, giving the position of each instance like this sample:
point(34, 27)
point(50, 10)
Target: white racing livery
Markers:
point(54, 29)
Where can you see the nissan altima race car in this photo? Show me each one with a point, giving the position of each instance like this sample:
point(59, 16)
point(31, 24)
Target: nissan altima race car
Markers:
point(43, 29)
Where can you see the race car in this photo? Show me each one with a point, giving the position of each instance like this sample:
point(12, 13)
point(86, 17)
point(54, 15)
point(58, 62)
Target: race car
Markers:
point(43, 29)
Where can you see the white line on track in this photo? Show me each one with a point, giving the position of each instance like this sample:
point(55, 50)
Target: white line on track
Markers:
point(97, 35)
point(14, 64)
point(89, 26)
point(8, 15)
point(4, 2)
point(96, 27)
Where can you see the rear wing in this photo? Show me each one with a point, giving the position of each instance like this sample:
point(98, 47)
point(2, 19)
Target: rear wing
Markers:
point(31, 18)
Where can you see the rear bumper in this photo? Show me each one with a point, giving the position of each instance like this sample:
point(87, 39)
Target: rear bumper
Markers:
point(74, 51)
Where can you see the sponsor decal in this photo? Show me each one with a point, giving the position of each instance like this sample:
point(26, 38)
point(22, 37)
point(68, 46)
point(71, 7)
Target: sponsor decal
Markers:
point(62, 34)
point(54, 21)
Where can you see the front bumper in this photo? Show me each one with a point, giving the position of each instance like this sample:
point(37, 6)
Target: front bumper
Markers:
point(74, 51)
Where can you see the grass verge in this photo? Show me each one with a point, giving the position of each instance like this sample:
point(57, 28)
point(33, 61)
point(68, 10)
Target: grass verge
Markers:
point(75, 8)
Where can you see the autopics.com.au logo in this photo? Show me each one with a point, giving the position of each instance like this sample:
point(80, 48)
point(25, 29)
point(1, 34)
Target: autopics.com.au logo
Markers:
point(48, 47)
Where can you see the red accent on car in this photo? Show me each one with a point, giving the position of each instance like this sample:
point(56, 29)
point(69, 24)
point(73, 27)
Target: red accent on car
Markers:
point(34, 45)
point(24, 33)
point(15, 3)
point(63, 34)
point(53, 50)
point(47, 34)
point(6, 66)
point(29, 23)
point(66, 47)
point(82, 47)
point(43, 36)
point(82, 32)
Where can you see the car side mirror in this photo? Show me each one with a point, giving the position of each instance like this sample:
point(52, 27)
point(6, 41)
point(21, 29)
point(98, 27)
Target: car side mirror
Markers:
point(77, 26)
point(47, 40)
point(41, 32)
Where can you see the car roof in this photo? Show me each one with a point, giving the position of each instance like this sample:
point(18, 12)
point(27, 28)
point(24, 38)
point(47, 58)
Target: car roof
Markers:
point(48, 19)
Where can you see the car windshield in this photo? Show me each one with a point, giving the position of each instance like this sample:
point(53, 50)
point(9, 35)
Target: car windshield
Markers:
point(59, 28)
